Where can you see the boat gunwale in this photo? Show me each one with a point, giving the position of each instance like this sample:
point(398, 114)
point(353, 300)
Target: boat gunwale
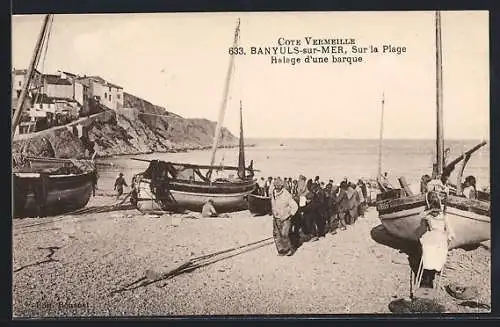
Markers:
point(209, 185)
point(260, 197)
point(214, 189)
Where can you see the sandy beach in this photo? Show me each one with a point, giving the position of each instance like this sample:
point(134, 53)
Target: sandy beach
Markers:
point(70, 266)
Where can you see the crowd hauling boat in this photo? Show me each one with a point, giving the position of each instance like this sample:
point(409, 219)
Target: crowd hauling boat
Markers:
point(178, 186)
point(48, 186)
point(400, 210)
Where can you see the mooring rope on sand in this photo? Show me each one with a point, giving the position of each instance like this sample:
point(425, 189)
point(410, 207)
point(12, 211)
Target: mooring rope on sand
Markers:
point(190, 265)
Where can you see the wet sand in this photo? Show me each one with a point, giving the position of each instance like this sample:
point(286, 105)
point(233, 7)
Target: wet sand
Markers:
point(69, 266)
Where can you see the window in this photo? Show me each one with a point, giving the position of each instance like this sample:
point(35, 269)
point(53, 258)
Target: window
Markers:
point(20, 83)
point(110, 97)
point(105, 94)
point(110, 89)
point(118, 96)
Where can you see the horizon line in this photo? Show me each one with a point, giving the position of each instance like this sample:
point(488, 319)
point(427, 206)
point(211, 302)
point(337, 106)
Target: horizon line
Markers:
point(363, 139)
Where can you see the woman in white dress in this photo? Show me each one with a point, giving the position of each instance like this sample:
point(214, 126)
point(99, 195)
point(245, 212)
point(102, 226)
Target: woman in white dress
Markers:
point(435, 240)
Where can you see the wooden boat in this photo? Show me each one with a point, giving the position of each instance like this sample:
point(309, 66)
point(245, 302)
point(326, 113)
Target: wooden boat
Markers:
point(470, 219)
point(181, 193)
point(179, 186)
point(259, 205)
point(48, 186)
point(400, 211)
point(64, 193)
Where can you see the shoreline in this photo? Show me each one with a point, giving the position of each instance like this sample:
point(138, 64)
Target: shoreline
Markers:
point(171, 151)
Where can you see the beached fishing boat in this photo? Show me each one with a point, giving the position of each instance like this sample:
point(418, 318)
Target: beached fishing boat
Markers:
point(48, 186)
point(400, 210)
point(63, 192)
point(259, 205)
point(179, 186)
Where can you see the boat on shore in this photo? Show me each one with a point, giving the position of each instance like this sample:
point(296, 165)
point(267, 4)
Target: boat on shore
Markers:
point(400, 210)
point(185, 186)
point(47, 193)
point(259, 205)
point(47, 186)
point(177, 186)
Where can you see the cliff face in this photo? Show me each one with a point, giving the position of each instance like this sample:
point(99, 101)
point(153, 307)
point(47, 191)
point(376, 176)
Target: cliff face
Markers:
point(140, 127)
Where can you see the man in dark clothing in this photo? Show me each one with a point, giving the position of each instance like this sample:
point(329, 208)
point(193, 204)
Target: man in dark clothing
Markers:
point(308, 216)
point(267, 186)
point(294, 188)
point(315, 212)
point(330, 209)
point(287, 186)
point(354, 201)
point(322, 210)
point(342, 203)
point(309, 184)
point(363, 188)
point(119, 183)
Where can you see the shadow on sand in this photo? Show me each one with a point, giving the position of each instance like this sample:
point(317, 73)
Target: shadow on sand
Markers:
point(413, 249)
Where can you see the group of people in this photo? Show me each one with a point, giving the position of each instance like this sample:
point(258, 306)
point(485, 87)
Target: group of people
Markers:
point(305, 210)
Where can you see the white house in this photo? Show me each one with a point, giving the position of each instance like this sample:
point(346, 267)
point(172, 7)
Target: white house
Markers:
point(57, 86)
point(18, 77)
point(110, 95)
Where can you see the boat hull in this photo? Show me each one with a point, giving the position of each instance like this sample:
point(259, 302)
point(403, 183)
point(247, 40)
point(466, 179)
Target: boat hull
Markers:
point(259, 205)
point(65, 193)
point(469, 219)
point(227, 197)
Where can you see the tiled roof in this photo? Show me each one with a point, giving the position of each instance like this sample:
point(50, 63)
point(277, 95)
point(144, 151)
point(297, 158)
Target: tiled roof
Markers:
point(23, 71)
point(98, 79)
point(84, 81)
point(42, 98)
point(101, 80)
point(114, 85)
point(69, 74)
point(56, 80)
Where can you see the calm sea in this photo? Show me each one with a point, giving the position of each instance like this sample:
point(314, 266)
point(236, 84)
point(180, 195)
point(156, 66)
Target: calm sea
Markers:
point(329, 159)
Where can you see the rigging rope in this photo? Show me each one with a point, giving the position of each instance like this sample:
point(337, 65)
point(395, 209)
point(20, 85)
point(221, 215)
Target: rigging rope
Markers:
point(45, 46)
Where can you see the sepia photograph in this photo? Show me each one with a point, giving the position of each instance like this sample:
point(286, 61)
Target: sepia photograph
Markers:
point(250, 163)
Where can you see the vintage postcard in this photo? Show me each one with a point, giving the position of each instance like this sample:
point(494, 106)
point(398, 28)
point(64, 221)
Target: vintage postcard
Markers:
point(250, 163)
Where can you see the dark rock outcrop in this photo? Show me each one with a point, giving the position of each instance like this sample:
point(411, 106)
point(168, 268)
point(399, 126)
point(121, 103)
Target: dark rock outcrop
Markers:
point(139, 127)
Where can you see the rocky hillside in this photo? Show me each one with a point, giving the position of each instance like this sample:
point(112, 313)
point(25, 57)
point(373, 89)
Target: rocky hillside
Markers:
point(140, 127)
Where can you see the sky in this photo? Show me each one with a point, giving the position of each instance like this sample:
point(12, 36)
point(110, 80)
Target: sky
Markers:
point(180, 61)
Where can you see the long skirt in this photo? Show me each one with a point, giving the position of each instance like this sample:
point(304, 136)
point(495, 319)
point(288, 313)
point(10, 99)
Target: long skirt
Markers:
point(434, 249)
point(281, 234)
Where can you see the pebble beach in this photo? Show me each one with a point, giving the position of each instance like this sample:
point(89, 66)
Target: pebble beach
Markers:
point(72, 266)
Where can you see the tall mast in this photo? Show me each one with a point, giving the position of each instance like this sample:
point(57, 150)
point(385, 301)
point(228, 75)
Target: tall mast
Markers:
point(241, 157)
point(224, 100)
point(381, 137)
point(29, 75)
point(439, 101)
